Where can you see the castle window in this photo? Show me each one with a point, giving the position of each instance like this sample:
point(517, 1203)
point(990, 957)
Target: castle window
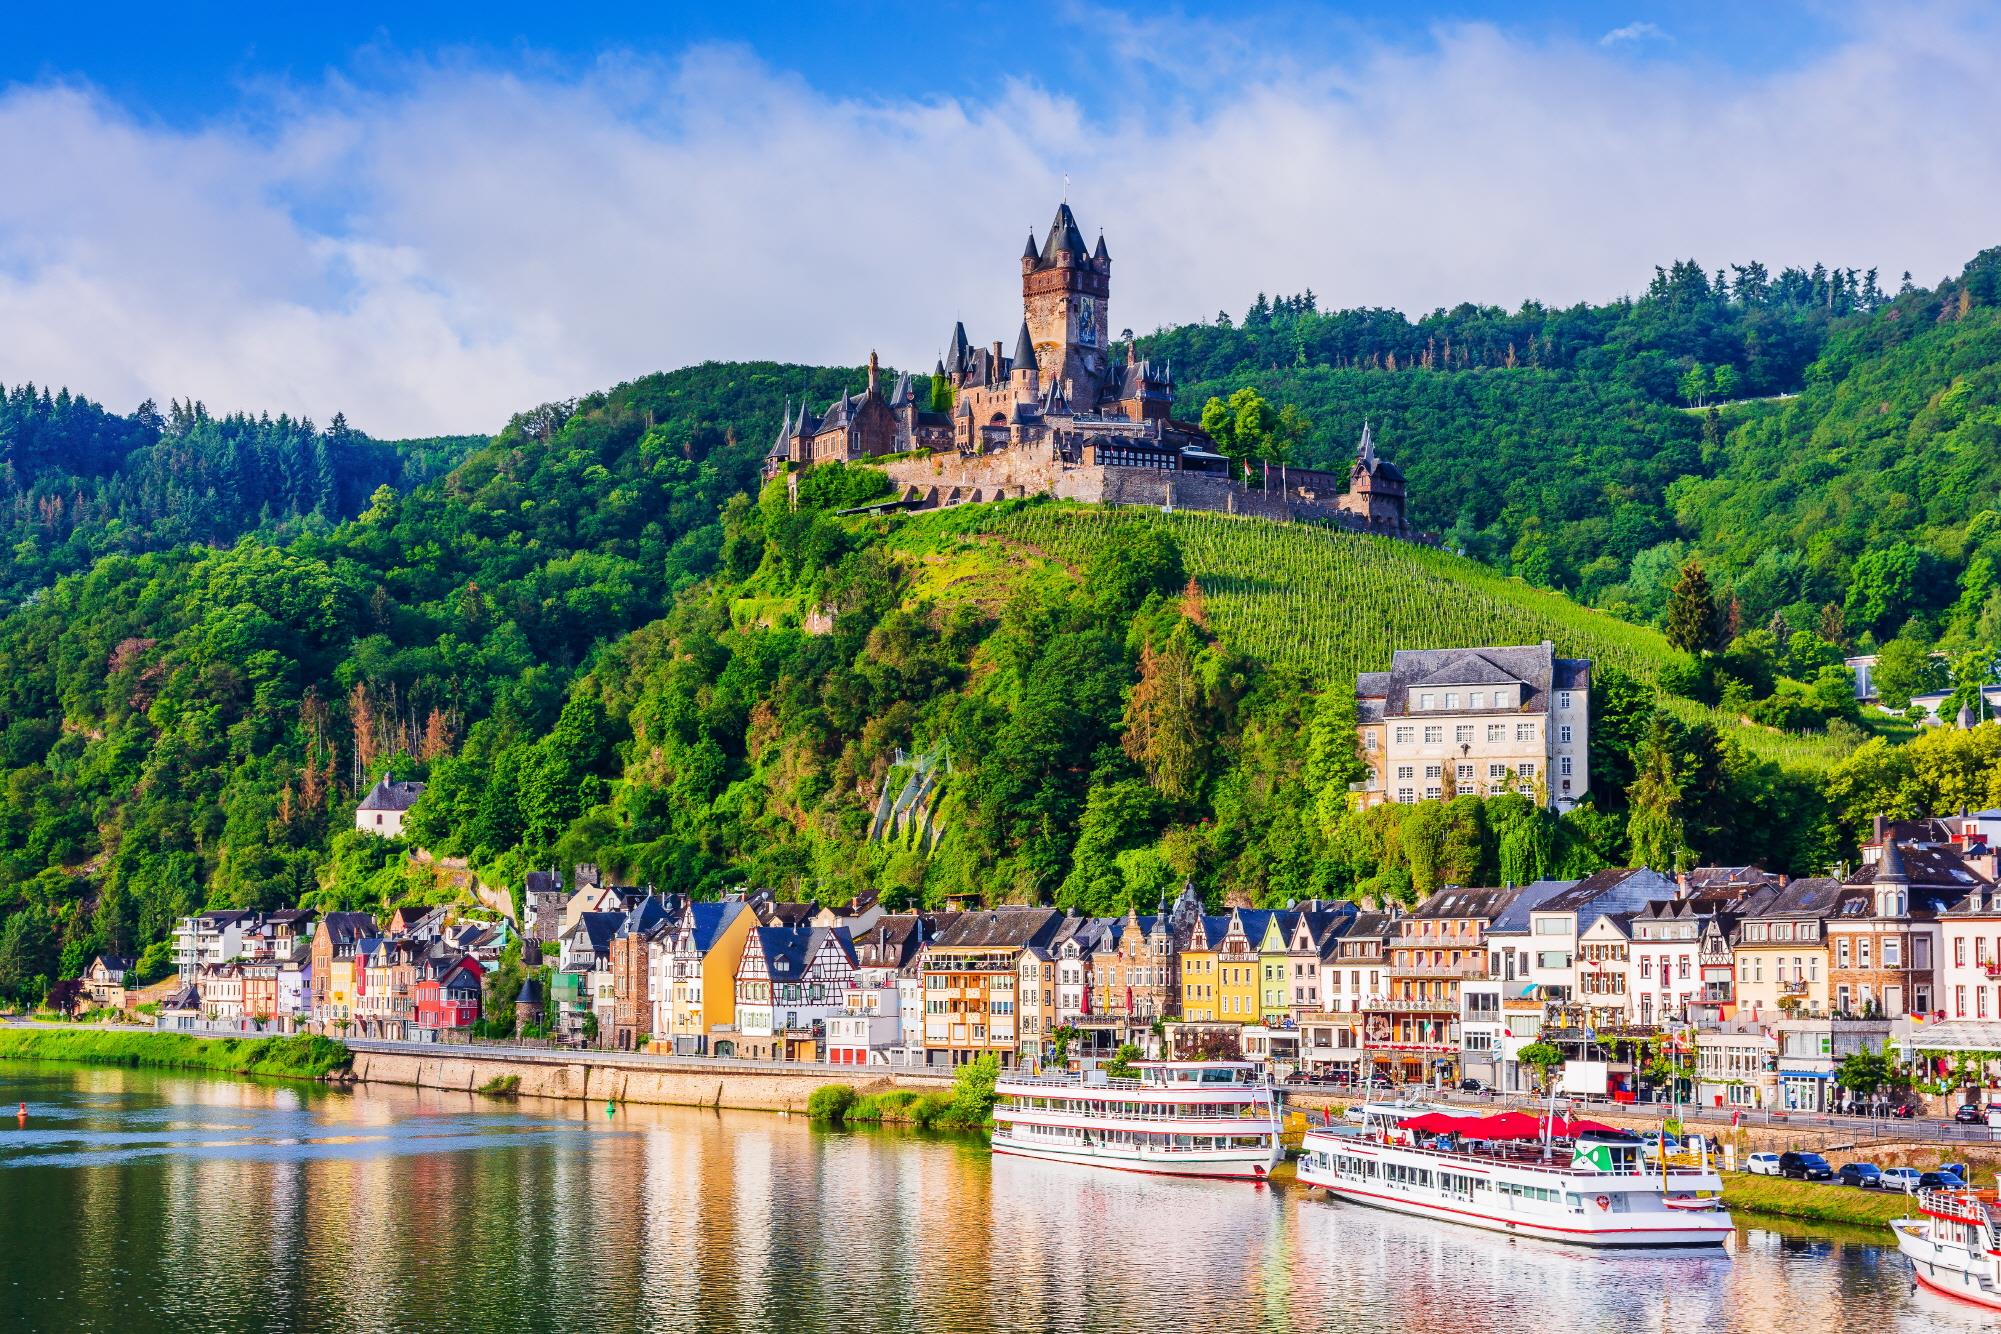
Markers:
point(1563, 699)
point(1565, 770)
point(1563, 735)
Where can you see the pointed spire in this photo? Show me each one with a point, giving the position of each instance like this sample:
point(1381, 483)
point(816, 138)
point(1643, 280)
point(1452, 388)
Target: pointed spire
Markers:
point(1028, 251)
point(1101, 253)
point(784, 429)
point(1365, 451)
point(1891, 869)
point(1024, 351)
point(1063, 235)
point(901, 396)
point(958, 349)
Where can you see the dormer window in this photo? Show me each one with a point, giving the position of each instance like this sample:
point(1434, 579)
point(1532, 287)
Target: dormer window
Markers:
point(1424, 701)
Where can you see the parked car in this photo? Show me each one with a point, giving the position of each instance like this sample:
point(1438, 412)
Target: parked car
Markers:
point(1652, 1143)
point(1474, 1086)
point(1804, 1167)
point(1941, 1181)
point(1970, 1115)
point(1866, 1176)
point(1957, 1169)
point(1899, 1178)
point(1762, 1164)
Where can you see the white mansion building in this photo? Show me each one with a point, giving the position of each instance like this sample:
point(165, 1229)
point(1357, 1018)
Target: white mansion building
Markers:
point(1476, 721)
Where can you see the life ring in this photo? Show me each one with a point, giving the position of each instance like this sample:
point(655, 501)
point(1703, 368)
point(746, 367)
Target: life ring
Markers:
point(1604, 1201)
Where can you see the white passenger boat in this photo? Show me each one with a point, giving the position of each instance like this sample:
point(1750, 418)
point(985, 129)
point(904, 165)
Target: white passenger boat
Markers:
point(1520, 1173)
point(1954, 1245)
point(1179, 1118)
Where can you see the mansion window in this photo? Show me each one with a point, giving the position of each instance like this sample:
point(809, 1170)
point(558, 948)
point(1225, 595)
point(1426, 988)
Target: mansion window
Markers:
point(1497, 771)
point(1526, 768)
point(1405, 735)
point(1565, 762)
point(1405, 771)
point(1524, 731)
point(1463, 734)
point(1563, 734)
point(1497, 731)
point(1451, 699)
point(1477, 700)
point(1368, 741)
point(1406, 796)
point(1433, 793)
point(1425, 701)
point(1434, 736)
point(1563, 699)
point(1465, 773)
point(1432, 770)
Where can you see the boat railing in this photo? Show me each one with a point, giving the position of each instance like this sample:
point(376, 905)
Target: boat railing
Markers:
point(1557, 1161)
point(1962, 1206)
point(1250, 1112)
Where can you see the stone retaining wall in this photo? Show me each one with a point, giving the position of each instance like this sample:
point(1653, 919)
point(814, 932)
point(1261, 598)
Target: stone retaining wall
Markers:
point(600, 1080)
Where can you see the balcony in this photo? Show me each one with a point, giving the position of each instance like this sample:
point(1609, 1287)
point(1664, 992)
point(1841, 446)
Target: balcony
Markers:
point(1461, 971)
point(1410, 1005)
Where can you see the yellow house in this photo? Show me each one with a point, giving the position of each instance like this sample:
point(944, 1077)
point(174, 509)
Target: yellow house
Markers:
point(1200, 976)
point(1780, 953)
point(1239, 982)
point(694, 975)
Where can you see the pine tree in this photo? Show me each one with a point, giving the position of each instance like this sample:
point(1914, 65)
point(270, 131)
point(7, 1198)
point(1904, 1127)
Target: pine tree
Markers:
point(1694, 622)
point(1163, 731)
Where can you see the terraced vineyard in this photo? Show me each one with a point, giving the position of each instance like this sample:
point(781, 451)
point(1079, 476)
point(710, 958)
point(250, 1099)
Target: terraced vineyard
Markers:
point(1334, 603)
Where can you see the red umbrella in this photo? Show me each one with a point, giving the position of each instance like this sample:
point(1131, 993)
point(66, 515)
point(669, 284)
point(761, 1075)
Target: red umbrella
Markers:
point(1581, 1126)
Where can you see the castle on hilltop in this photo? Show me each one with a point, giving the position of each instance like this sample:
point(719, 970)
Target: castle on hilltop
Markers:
point(1060, 414)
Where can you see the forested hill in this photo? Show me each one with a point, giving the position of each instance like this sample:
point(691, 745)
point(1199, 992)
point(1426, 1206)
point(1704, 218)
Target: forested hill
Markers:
point(1575, 447)
point(597, 643)
point(78, 482)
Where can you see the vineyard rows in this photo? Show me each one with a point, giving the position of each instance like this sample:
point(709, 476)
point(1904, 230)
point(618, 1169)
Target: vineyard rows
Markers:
point(1333, 603)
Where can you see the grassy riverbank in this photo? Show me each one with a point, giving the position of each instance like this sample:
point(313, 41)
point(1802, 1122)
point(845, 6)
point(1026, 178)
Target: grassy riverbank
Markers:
point(1817, 1201)
point(280, 1057)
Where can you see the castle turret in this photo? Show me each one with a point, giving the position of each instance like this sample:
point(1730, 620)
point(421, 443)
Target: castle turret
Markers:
point(1893, 884)
point(1022, 372)
point(1375, 487)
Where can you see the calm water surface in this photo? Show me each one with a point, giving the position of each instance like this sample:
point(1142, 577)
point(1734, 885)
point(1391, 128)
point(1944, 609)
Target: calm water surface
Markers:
point(139, 1201)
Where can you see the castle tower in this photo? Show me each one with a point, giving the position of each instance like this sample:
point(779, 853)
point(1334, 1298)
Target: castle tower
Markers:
point(1375, 487)
point(1065, 295)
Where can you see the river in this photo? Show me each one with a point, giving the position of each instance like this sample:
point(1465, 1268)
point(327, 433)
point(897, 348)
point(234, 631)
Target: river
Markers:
point(137, 1201)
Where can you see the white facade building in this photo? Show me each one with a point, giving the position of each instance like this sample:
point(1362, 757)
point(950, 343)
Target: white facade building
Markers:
point(1445, 722)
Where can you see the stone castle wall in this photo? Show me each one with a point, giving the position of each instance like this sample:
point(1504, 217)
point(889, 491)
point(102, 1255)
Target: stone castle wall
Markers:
point(945, 480)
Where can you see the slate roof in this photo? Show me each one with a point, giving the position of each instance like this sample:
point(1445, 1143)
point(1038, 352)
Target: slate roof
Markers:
point(648, 917)
point(1024, 349)
point(707, 921)
point(347, 927)
point(598, 928)
point(544, 882)
point(389, 795)
point(1455, 901)
point(530, 993)
point(1513, 918)
point(1810, 896)
point(1001, 928)
point(1618, 887)
point(789, 951)
point(1535, 666)
point(1063, 235)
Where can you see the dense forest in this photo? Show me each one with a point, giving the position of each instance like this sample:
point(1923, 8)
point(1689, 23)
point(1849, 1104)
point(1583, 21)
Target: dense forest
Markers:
point(597, 640)
point(78, 482)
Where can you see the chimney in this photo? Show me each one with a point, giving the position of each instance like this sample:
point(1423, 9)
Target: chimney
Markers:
point(1877, 829)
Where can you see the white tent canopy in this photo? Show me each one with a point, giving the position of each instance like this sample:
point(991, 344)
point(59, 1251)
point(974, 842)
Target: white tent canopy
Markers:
point(1974, 1036)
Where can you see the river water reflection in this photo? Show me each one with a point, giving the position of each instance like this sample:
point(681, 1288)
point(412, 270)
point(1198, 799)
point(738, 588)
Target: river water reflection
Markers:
point(143, 1201)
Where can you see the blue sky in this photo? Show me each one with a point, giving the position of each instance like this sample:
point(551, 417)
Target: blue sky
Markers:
point(432, 217)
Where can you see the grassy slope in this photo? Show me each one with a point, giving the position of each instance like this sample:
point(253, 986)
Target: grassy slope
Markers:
point(1815, 1200)
point(285, 1058)
point(1326, 602)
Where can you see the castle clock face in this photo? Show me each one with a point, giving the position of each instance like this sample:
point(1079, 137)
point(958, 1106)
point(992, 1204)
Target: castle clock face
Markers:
point(1087, 322)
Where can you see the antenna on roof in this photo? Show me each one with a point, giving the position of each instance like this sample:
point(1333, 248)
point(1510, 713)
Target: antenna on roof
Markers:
point(1066, 187)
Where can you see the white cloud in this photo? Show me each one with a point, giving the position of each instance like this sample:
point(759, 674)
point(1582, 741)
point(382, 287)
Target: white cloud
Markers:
point(476, 240)
point(1634, 33)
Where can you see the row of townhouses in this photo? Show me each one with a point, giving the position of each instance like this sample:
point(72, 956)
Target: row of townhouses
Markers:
point(416, 976)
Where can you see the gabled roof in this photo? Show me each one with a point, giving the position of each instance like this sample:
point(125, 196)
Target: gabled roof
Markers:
point(388, 795)
point(345, 928)
point(1810, 896)
point(597, 929)
point(706, 922)
point(789, 951)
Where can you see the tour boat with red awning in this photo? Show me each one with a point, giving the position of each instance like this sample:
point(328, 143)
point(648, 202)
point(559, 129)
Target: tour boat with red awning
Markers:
point(1545, 1176)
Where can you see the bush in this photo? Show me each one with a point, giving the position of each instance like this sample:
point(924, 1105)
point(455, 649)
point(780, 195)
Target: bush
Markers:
point(931, 1109)
point(830, 1103)
point(299, 1057)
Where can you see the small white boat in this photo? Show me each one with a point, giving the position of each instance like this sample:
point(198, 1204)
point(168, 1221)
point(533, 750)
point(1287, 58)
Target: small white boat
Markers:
point(1546, 1177)
point(1953, 1245)
point(1178, 1118)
